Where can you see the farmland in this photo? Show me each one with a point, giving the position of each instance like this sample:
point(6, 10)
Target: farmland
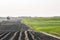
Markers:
point(15, 29)
point(49, 25)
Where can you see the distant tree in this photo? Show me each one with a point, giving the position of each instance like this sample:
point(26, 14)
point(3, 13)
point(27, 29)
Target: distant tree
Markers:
point(8, 18)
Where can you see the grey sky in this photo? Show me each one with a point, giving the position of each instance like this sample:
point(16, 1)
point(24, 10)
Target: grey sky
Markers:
point(30, 8)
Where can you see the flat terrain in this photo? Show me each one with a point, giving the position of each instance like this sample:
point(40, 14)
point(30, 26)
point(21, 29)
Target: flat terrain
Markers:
point(16, 30)
point(13, 25)
point(48, 25)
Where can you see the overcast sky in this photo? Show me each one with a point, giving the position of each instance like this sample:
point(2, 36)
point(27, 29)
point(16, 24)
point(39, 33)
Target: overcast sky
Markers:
point(42, 8)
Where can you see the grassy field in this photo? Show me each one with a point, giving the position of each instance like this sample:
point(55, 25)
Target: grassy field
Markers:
point(48, 25)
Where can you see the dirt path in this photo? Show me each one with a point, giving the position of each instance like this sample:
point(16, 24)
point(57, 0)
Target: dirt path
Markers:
point(13, 26)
